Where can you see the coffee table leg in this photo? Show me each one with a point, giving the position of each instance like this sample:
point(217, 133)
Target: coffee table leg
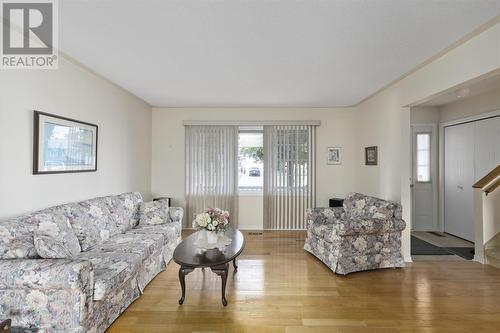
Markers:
point(222, 272)
point(234, 265)
point(183, 271)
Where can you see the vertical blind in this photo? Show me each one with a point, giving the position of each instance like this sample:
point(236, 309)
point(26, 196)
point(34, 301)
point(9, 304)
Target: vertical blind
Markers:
point(289, 175)
point(211, 170)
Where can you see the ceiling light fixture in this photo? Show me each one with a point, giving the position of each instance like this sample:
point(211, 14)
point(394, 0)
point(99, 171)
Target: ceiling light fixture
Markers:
point(463, 92)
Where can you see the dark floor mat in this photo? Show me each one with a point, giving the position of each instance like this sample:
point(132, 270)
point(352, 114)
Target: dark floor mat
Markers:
point(435, 233)
point(420, 247)
point(464, 252)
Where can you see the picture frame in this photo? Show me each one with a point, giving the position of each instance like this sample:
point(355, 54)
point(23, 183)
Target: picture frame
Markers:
point(334, 156)
point(371, 155)
point(63, 145)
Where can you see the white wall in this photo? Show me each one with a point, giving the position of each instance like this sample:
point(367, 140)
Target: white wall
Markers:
point(250, 213)
point(469, 107)
point(424, 115)
point(384, 119)
point(337, 129)
point(124, 152)
point(491, 215)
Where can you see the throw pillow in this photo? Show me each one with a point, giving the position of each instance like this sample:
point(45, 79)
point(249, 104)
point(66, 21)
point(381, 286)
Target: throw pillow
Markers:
point(54, 238)
point(154, 212)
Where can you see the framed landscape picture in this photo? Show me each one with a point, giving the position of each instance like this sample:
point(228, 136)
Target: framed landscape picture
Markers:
point(371, 155)
point(62, 145)
point(334, 155)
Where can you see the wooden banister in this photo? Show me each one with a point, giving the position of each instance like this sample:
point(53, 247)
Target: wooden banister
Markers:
point(490, 182)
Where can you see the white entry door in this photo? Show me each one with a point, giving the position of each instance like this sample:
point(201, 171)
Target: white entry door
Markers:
point(424, 185)
point(458, 180)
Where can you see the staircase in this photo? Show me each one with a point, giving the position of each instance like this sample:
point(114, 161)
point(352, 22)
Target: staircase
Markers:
point(487, 218)
point(492, 251)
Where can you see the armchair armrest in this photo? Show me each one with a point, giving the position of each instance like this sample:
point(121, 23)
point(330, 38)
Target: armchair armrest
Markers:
point(351, 227)
point(176, 214)
point(324, 215)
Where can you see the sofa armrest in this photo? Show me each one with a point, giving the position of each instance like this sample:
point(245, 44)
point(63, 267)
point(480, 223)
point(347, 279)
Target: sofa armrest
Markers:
point(352, 227)
point(176, 214)
point(46, 274)
point(324, 215)
point(53, 295)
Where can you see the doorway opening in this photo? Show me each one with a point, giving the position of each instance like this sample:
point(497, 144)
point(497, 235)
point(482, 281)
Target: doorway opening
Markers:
point(455, 138)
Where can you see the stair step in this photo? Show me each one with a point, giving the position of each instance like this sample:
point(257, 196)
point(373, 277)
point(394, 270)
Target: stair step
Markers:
point(493, 257)
point(494, 252)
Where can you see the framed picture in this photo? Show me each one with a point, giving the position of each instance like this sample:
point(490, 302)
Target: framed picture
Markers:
point(62, 145)
point(371, 155)
point(334, 155)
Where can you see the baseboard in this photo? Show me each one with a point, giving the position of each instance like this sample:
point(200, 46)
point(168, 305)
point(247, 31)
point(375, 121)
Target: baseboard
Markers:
point(479, 259)
point(249, 227)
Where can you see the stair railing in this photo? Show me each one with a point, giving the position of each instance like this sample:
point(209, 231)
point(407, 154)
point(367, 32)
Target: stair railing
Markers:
point(482, 188)
point(490, 182)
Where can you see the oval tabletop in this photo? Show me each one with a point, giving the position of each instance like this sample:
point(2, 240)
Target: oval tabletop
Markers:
point(190, 255)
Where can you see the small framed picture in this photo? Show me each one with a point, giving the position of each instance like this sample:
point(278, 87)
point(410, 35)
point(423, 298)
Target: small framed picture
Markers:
point(371, 155)
point(334, 155)
point(62, 145)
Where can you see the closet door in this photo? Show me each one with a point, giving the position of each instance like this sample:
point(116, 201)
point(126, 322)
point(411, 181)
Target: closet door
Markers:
point(459, 178)
point(487, 146)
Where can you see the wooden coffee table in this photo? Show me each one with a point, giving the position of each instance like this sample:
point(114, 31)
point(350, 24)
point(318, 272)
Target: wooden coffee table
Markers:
point(189, 257)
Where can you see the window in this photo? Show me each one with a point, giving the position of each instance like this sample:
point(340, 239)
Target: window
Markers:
point(423, 157)
point(250, 161)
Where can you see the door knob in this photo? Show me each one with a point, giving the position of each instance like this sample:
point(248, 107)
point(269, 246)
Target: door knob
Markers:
point(460, 187)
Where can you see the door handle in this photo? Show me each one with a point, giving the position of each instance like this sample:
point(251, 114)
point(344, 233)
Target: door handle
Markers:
point(460, 187)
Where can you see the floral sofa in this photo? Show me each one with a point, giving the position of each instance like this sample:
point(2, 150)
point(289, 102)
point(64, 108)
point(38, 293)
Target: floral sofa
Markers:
point(364, 234)
point(76, 267)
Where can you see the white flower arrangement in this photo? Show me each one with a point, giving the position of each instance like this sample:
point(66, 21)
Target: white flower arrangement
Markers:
point(213, 219)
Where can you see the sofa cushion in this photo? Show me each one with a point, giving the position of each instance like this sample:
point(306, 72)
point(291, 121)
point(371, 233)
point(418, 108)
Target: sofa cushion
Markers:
point(171, 231)
point(357, 205)
point(16, 238)
point(142, 244)
point(154, 212)
point(130, 203)
point(117, 212)
point(54, 238)
point(91, 222)
point(328, 231)
point(111, 270)
point(124, 209)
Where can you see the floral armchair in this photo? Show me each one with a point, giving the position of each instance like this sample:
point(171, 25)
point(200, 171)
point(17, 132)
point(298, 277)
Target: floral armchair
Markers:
point(365, 234)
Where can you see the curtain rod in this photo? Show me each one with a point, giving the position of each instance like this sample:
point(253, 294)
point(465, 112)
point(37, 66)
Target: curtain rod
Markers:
point(251, 122)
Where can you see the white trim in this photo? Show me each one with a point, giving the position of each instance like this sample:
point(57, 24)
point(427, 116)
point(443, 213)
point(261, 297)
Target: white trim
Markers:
point(481, 116)
point(479, 226)
point(477, 117)
point(250, 122)
point(255, 193)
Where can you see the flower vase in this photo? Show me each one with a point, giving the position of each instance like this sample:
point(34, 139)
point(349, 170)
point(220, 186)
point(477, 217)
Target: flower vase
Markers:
point(212, 237)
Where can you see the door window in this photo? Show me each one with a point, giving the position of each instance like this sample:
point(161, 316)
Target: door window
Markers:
point(423, 157)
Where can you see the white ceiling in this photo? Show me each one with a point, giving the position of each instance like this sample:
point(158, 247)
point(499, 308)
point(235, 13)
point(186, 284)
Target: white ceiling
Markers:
point(251, 53)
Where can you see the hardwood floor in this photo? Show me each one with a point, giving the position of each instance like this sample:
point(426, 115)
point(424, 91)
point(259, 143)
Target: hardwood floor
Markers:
point(281, 288)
